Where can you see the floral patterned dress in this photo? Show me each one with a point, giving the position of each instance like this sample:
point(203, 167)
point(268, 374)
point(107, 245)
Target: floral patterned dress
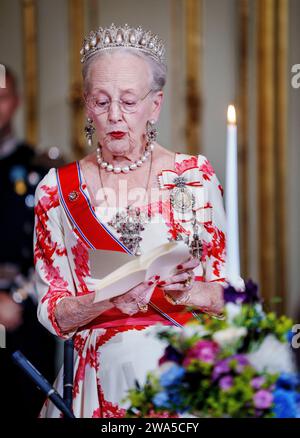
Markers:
point(114, 350)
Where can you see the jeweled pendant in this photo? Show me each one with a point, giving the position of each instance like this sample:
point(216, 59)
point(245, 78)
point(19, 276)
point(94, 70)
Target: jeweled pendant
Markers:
point(130, 224)
point(182, 199)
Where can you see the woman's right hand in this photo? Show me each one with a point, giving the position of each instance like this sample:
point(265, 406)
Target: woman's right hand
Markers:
point(77, 311)
point(137, 298)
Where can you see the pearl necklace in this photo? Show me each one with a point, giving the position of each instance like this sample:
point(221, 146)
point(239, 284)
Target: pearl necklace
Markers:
point(131, 222)
point(125, 169)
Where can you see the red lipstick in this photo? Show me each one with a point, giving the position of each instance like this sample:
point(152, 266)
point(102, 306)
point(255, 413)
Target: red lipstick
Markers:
point(117, 134)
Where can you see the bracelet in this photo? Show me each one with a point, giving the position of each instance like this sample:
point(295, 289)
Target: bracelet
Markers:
point(175, 302)
point(143, 307)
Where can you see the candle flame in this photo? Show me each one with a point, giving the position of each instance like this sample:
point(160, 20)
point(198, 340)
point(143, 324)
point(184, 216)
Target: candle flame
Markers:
point(231, 115)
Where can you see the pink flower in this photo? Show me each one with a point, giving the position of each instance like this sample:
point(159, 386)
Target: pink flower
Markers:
point(257, 382)
point(226, 383)
point(204, 351)
point(263, 399)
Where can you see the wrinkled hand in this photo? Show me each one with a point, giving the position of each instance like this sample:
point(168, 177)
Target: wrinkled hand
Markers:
point(10, 312)
point(175, 285)
point(140, 295)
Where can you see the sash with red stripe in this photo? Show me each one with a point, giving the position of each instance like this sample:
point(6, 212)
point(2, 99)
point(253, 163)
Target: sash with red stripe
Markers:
point(80, 211)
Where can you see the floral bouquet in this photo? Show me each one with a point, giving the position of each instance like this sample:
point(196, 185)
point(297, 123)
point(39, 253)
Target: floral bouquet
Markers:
point(238, 366)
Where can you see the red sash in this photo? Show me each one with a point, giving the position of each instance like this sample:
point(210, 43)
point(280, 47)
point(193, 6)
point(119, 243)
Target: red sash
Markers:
point(80, 211)
point(97, 236)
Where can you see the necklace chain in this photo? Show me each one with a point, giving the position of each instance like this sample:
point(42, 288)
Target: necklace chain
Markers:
point(146, 187)
point(130, 223)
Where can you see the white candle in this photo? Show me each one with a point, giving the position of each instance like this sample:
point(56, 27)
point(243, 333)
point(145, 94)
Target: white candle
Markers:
point(232, 249)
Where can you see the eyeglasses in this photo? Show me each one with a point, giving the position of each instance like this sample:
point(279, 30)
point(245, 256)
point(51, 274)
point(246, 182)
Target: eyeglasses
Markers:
point(100, 105)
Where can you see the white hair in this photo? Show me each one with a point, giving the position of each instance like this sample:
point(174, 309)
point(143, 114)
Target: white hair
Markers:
point(158, 70)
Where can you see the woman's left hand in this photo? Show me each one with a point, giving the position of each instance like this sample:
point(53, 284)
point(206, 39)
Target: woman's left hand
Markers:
point(178, 286)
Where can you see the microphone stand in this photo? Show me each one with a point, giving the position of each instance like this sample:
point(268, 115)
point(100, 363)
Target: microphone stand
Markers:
point(68, 372)
point(42, 383)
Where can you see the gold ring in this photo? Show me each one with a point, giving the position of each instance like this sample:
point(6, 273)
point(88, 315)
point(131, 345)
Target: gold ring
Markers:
point(170, 299)
point(175, 302)
point(188, 281)
point(143, 307)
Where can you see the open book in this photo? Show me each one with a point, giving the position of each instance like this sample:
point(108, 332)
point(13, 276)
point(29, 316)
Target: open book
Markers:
point(113, 273)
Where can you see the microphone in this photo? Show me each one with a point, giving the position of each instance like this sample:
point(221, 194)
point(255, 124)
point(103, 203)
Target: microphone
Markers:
point(42, 383)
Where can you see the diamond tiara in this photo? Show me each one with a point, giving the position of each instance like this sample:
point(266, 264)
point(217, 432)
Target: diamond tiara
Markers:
point(123, 36)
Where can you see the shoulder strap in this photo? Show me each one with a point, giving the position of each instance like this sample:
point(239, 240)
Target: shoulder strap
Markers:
point(80, 211)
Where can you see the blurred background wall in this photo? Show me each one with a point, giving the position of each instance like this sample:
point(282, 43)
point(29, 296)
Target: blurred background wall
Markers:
point(219, 51)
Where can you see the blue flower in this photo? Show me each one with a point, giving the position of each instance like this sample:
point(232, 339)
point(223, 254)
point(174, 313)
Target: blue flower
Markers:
point(287, 381)
point(172, 355)
point(175, 396)
point(172, 377)
point(289, 336)
point(232, 296)
point(161, 400)
point(252, 294)
point(285, 403)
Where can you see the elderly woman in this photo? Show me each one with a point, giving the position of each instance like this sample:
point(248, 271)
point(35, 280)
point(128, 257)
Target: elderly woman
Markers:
point(91, 203)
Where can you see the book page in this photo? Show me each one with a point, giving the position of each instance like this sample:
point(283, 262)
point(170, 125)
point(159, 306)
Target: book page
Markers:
point(119, 286)
point(104, 261)
point(165, 264)
point(161, 260)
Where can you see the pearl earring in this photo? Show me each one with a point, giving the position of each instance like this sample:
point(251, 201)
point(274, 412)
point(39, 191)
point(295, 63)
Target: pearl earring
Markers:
point(89, 130)
point(151, 131)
